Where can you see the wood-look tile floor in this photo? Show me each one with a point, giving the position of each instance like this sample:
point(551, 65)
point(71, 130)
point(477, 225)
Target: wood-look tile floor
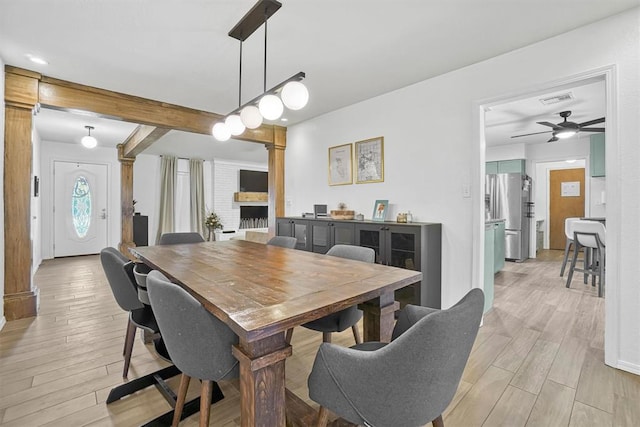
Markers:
point(538, 359)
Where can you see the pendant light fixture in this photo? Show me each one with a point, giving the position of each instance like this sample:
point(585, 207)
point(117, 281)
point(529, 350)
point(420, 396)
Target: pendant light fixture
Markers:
point(292, 93)
point(89, 141)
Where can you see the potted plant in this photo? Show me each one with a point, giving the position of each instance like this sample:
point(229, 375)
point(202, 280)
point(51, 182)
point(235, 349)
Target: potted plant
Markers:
point(212, 222)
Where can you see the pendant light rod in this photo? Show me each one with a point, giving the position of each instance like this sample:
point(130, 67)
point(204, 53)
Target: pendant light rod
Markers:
point(240, 77)
point(264, 84)
point(295, 78)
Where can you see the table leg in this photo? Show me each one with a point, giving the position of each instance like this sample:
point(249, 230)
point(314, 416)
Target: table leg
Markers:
point(379, 318)
point(262, 381)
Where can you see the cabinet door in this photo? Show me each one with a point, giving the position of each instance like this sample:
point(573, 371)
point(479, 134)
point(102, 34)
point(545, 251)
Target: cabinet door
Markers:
point(320, 236)
point(302, 232)
point(403, 247)
point(491, 167)
point(499, 247)
point(284, 227)
point(597, 155)
point(343, 233)
point(511, 166)
point(371, 236)
point(489, 248)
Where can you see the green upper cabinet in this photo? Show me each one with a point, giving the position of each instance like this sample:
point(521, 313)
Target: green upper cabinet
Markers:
point(505, 166)
point(511, 166)
point(596, 158)
point(491, 167)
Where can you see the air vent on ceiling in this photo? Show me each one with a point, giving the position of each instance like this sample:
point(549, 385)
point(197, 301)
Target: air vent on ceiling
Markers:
point(557, 98)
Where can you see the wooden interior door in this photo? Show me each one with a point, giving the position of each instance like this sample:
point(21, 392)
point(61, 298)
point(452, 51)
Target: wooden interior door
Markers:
point(566, 200)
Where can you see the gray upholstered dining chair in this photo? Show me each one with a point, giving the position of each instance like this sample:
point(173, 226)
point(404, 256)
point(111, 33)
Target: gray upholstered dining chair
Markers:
point(119, 272)
point(349, 317)
point(177, 238)
point(283, 241)
point(199, 343)
point(408, 382)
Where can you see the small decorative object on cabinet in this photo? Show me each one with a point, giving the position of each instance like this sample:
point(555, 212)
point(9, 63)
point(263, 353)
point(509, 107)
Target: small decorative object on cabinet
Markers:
point(380, 210)
point(342, 212)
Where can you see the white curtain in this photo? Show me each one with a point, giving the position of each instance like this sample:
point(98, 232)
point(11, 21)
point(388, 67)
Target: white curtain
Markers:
point(196, 178)
point(167, 196)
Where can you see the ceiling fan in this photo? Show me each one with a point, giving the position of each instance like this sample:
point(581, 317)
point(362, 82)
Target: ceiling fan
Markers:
point(567, 129)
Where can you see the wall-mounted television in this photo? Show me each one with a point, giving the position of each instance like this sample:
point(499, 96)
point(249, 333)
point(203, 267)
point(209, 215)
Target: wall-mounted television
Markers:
point(254, 181)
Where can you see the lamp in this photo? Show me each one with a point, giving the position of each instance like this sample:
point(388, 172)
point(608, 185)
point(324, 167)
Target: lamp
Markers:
point(89, 141)
point(293, 94)
point(565, 133)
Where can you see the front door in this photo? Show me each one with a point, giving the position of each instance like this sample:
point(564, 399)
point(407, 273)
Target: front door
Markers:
point(566, 200)
point(80, 208)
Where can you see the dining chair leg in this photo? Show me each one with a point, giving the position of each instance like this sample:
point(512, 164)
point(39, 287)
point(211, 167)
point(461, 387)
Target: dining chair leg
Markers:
point(356, 334)
point(601, 272)
point(205, 402)
point(289, 335)
point(438, 421)
point(182, 396)
point(128, 347)
point(323, 417)
point(567, 248)
point(326, 337)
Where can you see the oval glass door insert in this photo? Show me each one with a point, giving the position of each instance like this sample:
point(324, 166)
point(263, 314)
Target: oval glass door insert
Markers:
point(81, 206)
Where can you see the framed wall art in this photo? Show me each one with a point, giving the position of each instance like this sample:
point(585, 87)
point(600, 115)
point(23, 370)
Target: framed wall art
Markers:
point(369, 160)
point(340, 172)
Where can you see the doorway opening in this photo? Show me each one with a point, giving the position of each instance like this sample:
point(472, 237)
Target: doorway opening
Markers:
point(538, 154)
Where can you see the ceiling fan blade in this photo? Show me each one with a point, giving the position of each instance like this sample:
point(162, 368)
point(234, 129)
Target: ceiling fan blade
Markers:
point(592, 122)
point(554, 139)
point(591, 129)
point(527, 134)
point(548, 124)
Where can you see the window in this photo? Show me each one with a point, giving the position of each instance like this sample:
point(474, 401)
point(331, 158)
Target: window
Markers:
point(81, 206)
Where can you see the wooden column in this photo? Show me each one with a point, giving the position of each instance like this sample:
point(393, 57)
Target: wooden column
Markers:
point(20, 299)
point(276, 176)
point(126, 201)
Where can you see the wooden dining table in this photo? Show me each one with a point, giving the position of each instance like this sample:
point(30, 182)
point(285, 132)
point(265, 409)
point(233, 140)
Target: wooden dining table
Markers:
point(261, 291)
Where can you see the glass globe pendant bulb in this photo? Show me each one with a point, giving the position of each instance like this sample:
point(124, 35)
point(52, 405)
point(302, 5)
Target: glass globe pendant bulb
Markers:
point(294, 95)
point(89, 141)
point(251, 117)
point(221, 132)
point(270, 107)
point(236, 127)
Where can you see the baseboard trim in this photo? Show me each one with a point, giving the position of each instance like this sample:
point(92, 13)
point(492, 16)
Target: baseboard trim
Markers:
point(629, 367)
point(3, 322)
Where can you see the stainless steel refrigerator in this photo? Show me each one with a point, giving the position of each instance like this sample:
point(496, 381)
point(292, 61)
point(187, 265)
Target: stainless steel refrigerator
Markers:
point(508, 197)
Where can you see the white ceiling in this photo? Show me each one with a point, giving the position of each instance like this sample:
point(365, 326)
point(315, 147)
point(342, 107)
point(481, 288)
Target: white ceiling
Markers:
point(179, 52)
point(520, 117)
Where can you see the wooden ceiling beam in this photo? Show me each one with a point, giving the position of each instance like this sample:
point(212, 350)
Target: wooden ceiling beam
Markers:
point(141, 138)
point(68, 96)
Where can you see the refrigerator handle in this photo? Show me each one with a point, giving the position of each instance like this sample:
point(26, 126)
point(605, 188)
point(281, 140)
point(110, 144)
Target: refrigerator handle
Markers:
point(511, 233)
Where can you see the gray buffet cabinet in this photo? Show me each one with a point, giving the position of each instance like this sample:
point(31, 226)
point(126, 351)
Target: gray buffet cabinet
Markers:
point(415, 246)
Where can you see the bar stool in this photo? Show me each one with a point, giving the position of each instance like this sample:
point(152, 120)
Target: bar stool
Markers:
point(590, 235)
point(568, 232)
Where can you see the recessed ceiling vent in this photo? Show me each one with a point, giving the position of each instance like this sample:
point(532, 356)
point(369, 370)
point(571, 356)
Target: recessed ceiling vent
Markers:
point(557, 98)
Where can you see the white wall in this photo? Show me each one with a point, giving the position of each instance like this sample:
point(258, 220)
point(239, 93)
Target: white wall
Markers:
point(2, 319)
point(52, 151)
point(505, 152)
point(36, 206)
point(226, 178)
point(427, 164)
point(146, 190)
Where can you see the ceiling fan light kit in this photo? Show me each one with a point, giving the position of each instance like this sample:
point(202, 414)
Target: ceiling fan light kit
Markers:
point(566, 129)
point(293, 94)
